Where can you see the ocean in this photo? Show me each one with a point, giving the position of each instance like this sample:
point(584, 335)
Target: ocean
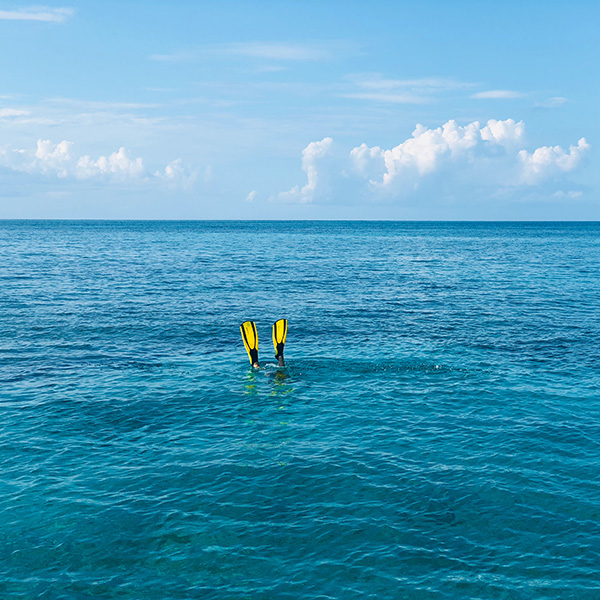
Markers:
point(435, 433)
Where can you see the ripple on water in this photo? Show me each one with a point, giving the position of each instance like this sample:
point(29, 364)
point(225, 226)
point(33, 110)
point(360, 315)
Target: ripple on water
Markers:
point(434, 435)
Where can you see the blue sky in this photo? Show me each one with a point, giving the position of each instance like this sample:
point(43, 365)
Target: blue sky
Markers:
point(311, 110)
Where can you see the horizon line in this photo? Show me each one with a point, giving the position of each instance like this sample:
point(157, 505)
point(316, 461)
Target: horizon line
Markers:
point(215, 220)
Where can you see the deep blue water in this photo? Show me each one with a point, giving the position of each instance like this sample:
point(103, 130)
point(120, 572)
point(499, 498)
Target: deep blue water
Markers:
point(435, 433)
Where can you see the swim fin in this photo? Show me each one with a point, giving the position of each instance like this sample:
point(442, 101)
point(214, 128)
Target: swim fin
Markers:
point(250, 337)
point(279, 335)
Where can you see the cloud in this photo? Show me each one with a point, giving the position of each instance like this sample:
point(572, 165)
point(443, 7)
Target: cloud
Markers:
point(270, 69)
point(314, 157)
point(389, 98)
point(375, 87)
point(175, 174)
point(99, 105)
point(38, 13)
point(452, 157)
point(51, 158)
point(272, 51)
point(502, 132)
point(12, 112)
point(116, 164)
point(497, 95)
point(376, 81)
point(278, 51)
point(554, 102)
point(58, 160)
point(551, 161)
point(570, 194)
point(427, 149)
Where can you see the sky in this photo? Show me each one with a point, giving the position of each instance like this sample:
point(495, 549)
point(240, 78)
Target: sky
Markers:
point(288, 109)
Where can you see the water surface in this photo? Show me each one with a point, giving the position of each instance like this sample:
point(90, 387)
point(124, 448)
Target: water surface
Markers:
point(434, 435)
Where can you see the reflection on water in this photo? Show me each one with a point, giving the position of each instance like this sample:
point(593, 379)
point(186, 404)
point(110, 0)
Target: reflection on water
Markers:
point(273, 382)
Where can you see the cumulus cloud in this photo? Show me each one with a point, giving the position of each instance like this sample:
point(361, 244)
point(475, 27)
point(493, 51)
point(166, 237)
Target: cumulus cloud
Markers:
point(504, 133)
point(428, 150)
point(471, 155)
point(59, 160)
point(38, 13)
point(314, 158)
point(177, 175)
point(551, 161)
point(51, 158)
point(118, 163)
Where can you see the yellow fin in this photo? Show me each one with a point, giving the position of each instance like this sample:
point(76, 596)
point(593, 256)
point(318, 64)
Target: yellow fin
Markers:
point(279, 335)
point(250, 337)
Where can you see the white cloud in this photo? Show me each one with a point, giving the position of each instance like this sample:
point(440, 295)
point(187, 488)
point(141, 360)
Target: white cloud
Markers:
point(116, 164)
point(99, 105)
point(497, 95)
point(179, 56)
point(454, 157)
point(554, 102)
point(58, 160)
point(173, 170)
point(423, 153)
point(377, 88)
point(177, 175)
point(551, 161)
point(52, 158)
point(270, 69)
point(376, 81)
point(503, 132)
point(313, 159)
point(38, 13)
point(272, 51)
point(278, 51)
point(570, 195)
point(12, 112)
point(388, 98)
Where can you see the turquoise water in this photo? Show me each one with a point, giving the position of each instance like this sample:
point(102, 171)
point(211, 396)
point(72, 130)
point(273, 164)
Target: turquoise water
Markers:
point(435, 433)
